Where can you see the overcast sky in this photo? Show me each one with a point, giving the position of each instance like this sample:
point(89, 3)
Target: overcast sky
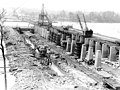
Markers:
point(69, 5)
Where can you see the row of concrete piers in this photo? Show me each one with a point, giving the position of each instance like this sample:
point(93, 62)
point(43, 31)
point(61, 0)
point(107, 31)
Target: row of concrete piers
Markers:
point(84, 48)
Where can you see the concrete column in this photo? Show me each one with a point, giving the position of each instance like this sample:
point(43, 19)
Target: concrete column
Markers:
point(98, 59)
point(72, 47)
point(83, 52)
point(58, 37)
point(77, 38)
point(105, 51)
point(73, 37)
point(91, 43)
point(90, 54)
point(97, 46)
point(63, 37)
point(68, 44)
point(113, 56)
point(81, 39)
point(86, 41)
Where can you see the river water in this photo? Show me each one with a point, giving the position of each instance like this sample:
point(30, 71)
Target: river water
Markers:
point(108, 29)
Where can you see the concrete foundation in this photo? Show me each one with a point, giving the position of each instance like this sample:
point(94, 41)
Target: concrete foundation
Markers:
point(91, 43)
point(72, 47)
point(68, 44)
point(90, 54)
point(81, 39)
point(83, 52)
point(86, 41)
point(97, 46)
point(105, 51)
point(113, 56)
point(98, 59)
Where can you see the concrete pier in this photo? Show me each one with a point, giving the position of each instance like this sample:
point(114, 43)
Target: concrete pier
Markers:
point(58, 37)
point(113, 56)
point(63, 37)
point(83, 52)
point(73, 37)
point(72, 47)
point(91, 43)
point(97, 46)
point(81, 39)
point(68, 44)
point(63, 41)
point(77, 38)
point(105, 50)
point(86, 41)
point(98, 59)
point(90, 54)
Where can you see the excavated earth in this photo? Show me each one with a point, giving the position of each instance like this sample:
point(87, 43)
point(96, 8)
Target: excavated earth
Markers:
point(31, 74)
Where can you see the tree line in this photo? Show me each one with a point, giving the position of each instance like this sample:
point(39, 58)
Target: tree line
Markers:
point(101, 17)
point(97, 17)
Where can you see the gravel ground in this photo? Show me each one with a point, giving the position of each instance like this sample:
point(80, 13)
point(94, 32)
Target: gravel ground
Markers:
point(30, 74)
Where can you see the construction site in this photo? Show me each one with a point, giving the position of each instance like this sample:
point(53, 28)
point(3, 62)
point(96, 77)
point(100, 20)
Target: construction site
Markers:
point(48, 57)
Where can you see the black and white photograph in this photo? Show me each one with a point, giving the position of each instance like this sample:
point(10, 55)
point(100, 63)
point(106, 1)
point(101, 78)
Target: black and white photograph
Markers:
point(60, 45)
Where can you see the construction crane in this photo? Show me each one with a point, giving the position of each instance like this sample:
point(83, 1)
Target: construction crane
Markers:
point(86, 32)
point(43, 18)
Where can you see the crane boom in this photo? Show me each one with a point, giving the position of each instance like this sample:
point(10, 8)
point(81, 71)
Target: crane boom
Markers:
point(79, 21)
point(86, 28)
